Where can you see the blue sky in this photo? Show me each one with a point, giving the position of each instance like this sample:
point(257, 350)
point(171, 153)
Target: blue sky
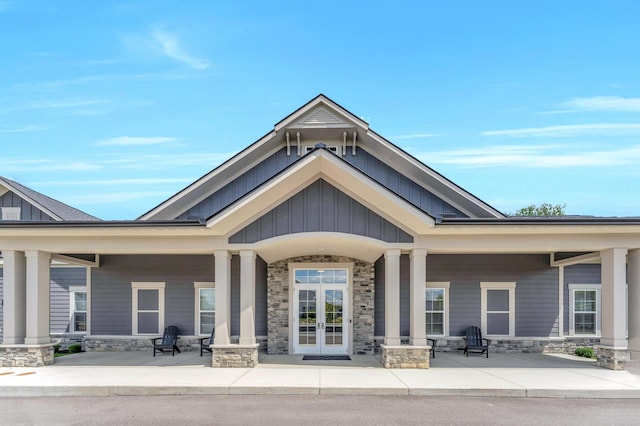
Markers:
point(114, 106)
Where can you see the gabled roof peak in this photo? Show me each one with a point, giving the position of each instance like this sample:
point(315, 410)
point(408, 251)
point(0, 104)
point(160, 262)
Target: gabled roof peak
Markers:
point(321, 112)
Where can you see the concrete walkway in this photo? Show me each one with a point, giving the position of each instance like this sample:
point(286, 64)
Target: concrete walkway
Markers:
point(138, 373)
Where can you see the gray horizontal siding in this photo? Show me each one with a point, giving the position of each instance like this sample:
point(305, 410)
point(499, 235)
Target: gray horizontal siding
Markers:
point(28, 212)
point(1, 304)
point(320, 207)
point(536, 290)
point(578, 274)
point(59, 303)
point(111, 289)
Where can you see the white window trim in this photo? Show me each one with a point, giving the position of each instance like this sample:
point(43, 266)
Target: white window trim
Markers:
point(11, 213)
point(485, 286)
point(445, 286)
point(572, 315)
point(72, 291)
point(197, 286)
point(135, 286)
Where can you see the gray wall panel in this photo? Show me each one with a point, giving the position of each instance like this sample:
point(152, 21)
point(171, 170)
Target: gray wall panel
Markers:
point(111, 289)
point(578, 274)
point(302, 213)
point(1, 304)
point(59, 303)
point(378, 280)
point(261, 297)
point(536, 290)
point(28, 212)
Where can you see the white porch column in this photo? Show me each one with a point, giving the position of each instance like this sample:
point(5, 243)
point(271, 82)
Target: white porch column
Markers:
point(14, 312)
point(614, 308)
point(633, 281)
point(392, 298)
point(247, 297)
point(38, 283)
point(418, 327)
point(223, 297)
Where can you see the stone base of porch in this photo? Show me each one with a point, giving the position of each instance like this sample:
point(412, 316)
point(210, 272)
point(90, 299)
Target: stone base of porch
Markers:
point(405, 356)
point(611, 358)
point(26, 355)
point(234, 356)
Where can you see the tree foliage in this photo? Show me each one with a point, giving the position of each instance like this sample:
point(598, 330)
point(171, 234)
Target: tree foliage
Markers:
point(544, 209)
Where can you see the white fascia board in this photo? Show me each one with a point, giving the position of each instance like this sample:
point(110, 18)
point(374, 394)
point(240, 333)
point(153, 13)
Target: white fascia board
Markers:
point(233, 166)
point(32, 202)
point(439, 178)
point(325, 165)
point(524, 243)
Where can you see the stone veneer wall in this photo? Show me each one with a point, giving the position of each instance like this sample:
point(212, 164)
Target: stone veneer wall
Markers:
point(134, 343)
point(361, 309)
point(26, 355)
point(562, 345)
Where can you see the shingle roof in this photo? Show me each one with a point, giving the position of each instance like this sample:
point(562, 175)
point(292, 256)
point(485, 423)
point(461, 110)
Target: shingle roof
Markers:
point(60, 210)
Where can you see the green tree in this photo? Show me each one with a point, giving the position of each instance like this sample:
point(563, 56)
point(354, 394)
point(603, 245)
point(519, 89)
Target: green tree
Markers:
point(544, 209)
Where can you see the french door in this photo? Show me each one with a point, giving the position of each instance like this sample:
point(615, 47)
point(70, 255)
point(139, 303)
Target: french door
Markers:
point(321, 312)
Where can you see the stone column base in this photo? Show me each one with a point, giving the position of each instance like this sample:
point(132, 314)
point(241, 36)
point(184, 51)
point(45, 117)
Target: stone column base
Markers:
point(234, 356)
point(611, 358)
point(405, 356)
point(26, 355)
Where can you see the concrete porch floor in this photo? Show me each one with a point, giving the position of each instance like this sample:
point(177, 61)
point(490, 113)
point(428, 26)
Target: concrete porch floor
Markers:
point(139, 373)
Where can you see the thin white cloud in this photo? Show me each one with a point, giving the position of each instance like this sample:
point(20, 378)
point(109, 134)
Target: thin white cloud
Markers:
point(98, 78)
point(33, 165)
point(135, 141)
point(413, 136)
point(569, 130)
point(114, 197)
point(114, 182)
point(170, 46)
point(56, 104)
point(604, 103)
point(23, 129)
point(537, 156)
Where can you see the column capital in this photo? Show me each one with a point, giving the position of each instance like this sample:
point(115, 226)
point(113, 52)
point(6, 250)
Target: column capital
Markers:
point(222, 253)
point(634, 253)
point(418, 252)
point(248, 253)
point(392, 253)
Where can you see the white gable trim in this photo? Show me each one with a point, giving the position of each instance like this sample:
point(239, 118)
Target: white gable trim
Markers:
point(316, 165)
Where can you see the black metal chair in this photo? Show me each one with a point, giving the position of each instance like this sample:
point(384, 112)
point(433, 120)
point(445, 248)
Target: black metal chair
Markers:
point(433, 343)
point(168, 341)
point(475, 342)
point(205, 342)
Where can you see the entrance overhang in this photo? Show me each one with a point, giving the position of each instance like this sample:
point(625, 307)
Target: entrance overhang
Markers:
point(321, 243)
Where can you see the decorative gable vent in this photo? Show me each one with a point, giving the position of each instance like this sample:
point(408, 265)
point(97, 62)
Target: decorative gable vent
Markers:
point(320, 117)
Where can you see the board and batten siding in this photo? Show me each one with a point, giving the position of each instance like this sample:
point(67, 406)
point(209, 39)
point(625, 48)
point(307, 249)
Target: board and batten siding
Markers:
point(59, 303)
point(371, 166)
point(320, 207)
point(536, 290)
point(28, 212)
point(578, 274)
